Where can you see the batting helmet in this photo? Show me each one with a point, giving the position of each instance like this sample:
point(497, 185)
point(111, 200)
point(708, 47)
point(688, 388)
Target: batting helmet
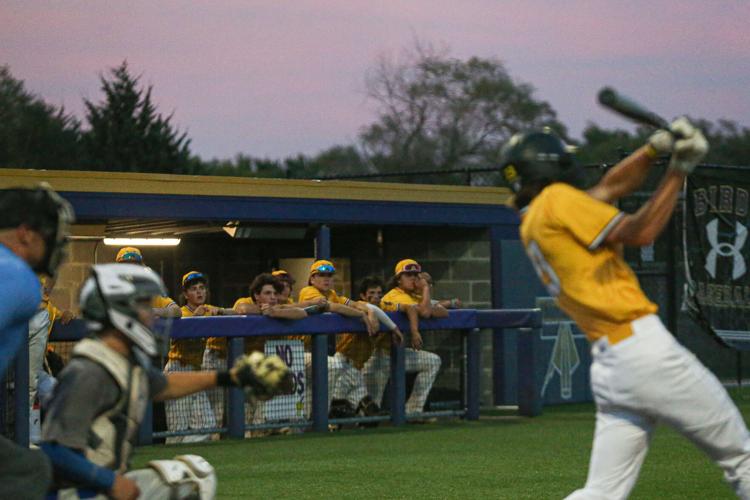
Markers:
point(43, 211)
point(538, 158)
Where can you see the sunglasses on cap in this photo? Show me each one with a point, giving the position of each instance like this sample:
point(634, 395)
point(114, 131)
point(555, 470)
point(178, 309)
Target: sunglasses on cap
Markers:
point(325, 268)
point(412, 268)
point(131, 257)
point(193, 276)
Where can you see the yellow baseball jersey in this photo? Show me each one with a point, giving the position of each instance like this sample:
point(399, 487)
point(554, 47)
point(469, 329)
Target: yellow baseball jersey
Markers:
point(392, 301)
point(357, 347)
point(251, 343)
point(563, 230)
point(187, 351)
point(161, 302)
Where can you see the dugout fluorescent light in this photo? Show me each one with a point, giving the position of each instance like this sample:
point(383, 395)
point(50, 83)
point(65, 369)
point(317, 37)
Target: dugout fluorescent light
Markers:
point(142, 242)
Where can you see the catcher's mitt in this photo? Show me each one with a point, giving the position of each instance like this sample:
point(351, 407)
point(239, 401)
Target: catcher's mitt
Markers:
point(263, 377)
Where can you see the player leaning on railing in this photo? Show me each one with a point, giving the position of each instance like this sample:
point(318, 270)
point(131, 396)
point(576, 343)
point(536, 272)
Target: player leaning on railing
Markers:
point(34, 232)
point(99, 403)
point(640, 375)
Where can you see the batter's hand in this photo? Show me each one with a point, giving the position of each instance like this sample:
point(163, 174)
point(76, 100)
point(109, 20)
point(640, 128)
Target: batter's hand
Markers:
point(689, 148)
point(263, 377)
point(397, 337)
point(661, 142)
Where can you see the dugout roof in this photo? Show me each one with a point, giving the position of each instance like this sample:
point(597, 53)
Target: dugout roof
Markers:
point(119, 195)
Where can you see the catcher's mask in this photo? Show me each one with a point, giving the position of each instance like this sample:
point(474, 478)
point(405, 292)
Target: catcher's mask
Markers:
point(120, 296)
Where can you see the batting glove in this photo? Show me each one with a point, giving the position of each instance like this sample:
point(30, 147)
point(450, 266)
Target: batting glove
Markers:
point(263, 377)
point(661, 142)
point(689, 148)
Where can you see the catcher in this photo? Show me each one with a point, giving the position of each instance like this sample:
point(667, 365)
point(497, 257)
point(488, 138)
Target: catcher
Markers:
point(102, 394)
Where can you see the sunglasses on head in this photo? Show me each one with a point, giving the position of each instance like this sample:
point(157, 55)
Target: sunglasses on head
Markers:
point(412, 268)
point(131, 257)
point(325, 268)
point(193, 276)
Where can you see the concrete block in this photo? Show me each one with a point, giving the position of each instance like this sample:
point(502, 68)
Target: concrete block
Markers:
point(471, 270)
point(448, 249)
point(480, 292)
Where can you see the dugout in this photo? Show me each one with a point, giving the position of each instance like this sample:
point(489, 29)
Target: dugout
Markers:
point(456, 232)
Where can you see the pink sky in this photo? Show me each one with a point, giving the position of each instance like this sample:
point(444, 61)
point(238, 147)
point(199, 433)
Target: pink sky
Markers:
point(279, 78)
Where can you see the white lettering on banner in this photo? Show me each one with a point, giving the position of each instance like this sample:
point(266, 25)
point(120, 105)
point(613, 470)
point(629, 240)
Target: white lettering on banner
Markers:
point(288, 406)
point(564, 360)
point(725, 249)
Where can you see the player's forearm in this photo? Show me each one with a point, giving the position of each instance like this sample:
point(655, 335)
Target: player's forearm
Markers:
point(625, 177)
point(171, 311)
point(346, 310)
point(287, 312)
point(439, 311)
point(74, 466)
point(413, 315)
point(181, 384)
point(425, 305)
point(643, 227)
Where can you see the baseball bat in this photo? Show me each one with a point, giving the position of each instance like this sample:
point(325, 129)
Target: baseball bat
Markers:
point(611, 99)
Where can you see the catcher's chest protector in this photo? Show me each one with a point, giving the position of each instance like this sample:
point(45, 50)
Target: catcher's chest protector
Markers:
point(112, 435)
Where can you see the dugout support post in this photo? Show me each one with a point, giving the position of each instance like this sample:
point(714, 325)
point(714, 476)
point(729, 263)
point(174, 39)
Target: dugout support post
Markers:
point(530, 372)
point(320, 382)
point(21, 395)
point(498, 340)
point(323, 243)
point(398, 385)
point(235, 395)
point(472, 373)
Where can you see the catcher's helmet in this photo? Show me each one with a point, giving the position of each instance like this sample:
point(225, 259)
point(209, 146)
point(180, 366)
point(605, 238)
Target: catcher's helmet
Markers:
point(111, 296)
point(43, 211)
point(539, 158)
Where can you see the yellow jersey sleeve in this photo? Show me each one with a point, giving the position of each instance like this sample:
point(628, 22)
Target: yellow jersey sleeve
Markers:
point(309, 293)
point(395, 298)
point(589, 220)
point(162, 302)
point(243, 300)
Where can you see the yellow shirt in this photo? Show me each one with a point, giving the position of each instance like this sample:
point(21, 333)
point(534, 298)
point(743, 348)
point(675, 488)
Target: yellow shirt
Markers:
point(357, 347)
point(187, 351)
point(563, 230)
point(53, 312)
point(161, 302)
point(392, 301)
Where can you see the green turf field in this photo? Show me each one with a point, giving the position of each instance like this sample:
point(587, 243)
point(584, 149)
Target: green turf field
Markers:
point(501, 456)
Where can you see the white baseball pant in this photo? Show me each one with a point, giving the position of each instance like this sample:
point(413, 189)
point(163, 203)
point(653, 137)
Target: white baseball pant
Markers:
point(215, 360)
point(426, 364)
point(348, 383)
point(650, 378)
point(190, 412)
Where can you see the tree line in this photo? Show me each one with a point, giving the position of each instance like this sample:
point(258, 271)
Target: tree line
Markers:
point(435, 112)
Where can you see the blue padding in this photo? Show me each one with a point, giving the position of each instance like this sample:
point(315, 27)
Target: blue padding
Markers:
point(328, 323)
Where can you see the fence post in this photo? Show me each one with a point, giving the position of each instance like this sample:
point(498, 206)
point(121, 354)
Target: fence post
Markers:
point(21, 396)
point(529, 372)
point(398, 385)
point(235, 395)
point(320, 382)
point(472, 373)
point(323, 243)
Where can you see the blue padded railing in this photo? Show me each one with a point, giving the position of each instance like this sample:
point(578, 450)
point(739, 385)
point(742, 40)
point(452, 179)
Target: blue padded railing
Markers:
point(236, 328)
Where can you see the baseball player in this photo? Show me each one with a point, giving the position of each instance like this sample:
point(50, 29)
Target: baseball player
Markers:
point(163, 306)
point(103, 392)
point(352, 350)
point(34, 234)
point(194, 411)
point(640, 375)
point(406, 297)
point(40, 326)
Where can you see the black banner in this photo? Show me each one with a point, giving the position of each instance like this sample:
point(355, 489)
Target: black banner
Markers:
point(717, 252)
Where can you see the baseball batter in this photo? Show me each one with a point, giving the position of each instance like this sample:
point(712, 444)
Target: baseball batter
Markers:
point(640, 375)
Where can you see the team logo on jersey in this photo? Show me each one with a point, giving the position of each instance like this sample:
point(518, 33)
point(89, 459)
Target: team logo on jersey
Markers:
point(724, 249)
point(564, 361)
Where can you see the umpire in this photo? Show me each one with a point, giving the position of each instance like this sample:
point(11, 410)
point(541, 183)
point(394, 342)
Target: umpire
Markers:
point(34, 234)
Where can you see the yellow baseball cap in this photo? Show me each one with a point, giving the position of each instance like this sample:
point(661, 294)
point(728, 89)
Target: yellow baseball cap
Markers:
point(192, 276)
point(282, 274)
point(129, 254)
point(408, 266)
point(322, 266)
